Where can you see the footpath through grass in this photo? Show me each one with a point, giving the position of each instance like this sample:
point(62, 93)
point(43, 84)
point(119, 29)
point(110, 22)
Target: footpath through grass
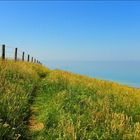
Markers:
point(18, 84)
point(74, 107)
point(39, 104)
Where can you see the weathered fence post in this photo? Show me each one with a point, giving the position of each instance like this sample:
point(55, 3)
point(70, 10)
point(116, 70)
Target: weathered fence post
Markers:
point(32, 59)
point(15, 54)
point(28, 59)
point(3, 52)
point(23, 54)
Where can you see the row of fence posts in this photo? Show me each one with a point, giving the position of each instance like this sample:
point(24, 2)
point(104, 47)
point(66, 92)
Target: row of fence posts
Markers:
point(33, 60)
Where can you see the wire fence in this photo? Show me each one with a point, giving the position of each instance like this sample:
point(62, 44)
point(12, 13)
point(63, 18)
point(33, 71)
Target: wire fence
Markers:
point(16, 54)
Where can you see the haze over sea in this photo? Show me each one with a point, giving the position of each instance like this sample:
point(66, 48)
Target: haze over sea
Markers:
point(124, 72)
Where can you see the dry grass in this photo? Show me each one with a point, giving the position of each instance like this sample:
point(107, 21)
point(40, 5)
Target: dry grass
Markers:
point(17, 85)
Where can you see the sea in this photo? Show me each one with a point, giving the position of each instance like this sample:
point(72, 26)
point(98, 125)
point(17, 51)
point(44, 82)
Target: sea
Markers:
point(123, 72)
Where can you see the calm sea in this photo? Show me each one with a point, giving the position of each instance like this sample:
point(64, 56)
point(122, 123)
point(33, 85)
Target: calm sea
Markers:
point(127, 73)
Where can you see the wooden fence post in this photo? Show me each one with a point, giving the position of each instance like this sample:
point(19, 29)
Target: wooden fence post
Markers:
point(23, 54)
point(28, 59)
point(34, 60)
point(3, 52)
point(15, 54)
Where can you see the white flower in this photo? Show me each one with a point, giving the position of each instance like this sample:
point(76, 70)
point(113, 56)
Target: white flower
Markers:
point(6, 125)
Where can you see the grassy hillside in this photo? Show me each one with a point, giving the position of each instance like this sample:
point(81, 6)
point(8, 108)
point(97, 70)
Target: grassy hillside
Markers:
point(66, 106)
point(18, 83)
point(75, 107)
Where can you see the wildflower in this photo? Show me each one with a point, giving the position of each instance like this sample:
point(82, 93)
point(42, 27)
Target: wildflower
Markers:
point(6, 125)
point(17, 136)
point(13, 128)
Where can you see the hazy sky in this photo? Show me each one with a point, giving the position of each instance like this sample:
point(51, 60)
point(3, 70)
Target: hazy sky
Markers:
point(73, 30)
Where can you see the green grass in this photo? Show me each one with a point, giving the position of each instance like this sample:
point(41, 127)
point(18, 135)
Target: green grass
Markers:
point(18, 83)
point(74, 107)
point(40, 104)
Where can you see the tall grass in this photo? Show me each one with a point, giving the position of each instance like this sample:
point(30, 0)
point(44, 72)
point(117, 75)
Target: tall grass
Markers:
point(18, 81)
point(81, 108)
point(70, 106)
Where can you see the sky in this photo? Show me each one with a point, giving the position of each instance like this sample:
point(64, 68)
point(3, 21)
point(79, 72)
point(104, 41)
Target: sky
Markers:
point(73, 30)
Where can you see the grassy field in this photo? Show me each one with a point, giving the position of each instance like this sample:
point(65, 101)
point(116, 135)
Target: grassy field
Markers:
point(18, 84)
point(65, 106)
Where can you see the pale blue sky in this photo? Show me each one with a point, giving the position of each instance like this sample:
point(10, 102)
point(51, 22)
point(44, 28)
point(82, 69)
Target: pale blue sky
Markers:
point(73, 30)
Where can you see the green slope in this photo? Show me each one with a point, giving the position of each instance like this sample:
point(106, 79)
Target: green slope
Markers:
point(18, 84)
point(74, 107)
point(39, 104)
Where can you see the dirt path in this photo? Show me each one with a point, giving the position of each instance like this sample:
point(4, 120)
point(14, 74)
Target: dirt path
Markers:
point(34, 125)
point(37, 118)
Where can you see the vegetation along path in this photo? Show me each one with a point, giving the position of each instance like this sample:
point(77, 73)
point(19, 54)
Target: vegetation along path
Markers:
point(64, 106)
point(74, 107)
